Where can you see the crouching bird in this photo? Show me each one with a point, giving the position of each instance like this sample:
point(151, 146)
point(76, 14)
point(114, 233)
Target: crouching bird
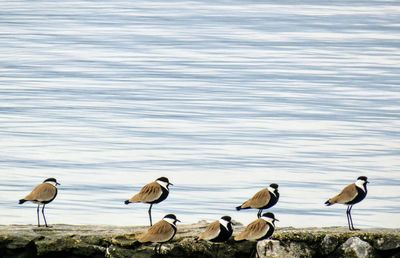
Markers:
point(218, 231)
point(161, 232)
point(350, 195)
point(263, 199)
point(260, 229)
point(42, 194)
point(154, 192)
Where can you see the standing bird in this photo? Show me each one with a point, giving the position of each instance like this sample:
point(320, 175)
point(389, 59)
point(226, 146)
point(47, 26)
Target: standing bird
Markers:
point(260, 229)
point(218, 231)
point(263, 199)
point(42, 194)
point(350, 195)
point(152, 193)
point(161, 232)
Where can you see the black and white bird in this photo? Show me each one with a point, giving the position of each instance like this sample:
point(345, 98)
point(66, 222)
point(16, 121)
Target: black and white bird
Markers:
point(260, 229)
point(350, 195)
point(42, 194)
point(152, 193)
point(161, 232)
point(263, 199)
point(218, 231)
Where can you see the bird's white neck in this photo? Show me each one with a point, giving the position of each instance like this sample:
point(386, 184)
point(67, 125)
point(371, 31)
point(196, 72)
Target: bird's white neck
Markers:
point(224, 223)
point(269, 220)
point(163, 184)
point(169, 220)
point(51, 183)
point(271, 190)
point(360, 184)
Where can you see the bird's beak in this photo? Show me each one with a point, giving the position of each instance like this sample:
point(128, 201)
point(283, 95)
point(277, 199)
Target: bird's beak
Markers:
point(367, 182)
point(276, 219)
point(178, 220)
point(57, 183)
point(170, 184)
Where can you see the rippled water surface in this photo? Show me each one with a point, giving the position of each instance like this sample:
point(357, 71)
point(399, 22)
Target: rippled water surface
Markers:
point(222, 97)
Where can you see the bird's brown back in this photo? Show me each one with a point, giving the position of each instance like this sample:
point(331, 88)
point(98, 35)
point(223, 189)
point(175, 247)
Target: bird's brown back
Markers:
point(211, 231)
point(160, 232)
point(42, 193)
point(260, 199)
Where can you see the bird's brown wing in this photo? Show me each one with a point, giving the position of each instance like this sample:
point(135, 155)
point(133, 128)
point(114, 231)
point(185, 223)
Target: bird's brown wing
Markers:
point(42, 193)
point(260, 199)
point(148, 193)
point(254, 230)
point(346, 195)
point(211, 231)
point(160, 232)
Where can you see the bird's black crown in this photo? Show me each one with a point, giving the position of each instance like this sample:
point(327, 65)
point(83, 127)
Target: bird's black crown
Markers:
point(164, 179)
point(51, 179)
point(364, 178)
point(269, 215)
point(275, 186)
point(226, 218)
point(170, 216)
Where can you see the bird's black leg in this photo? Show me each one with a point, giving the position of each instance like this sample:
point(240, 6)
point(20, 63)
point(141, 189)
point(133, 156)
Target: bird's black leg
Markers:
point(159, 248)
point(217, 251)
point(38, 218)
point(348, 218)
point(44, 217)
point(351, 219)
point(259, 213)
point(254, 252)
point(151, 222)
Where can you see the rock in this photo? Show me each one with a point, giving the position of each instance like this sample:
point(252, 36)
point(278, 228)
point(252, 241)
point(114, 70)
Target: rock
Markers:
point(274, 249)
point(387, 242)
point(329, 244)
point(354, 247)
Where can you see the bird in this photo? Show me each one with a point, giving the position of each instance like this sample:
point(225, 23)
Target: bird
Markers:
point(42, 194)
point(152, 193)
point(218, 231)
point(350, 195)
point(263, 199)
point(161, 232)
point(260, 229)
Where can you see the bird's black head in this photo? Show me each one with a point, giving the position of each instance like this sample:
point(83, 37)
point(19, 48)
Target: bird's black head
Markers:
point(51, 180)
point(164, 179)
point(226, 218)
point(363, 178)
point(171, 217)
point(275, 186)
point(270, 215)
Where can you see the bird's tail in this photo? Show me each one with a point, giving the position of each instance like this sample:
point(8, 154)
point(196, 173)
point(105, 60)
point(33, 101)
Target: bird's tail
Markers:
point(238, 208)
point(127, 202)
point(329, 203)
point(21, 201)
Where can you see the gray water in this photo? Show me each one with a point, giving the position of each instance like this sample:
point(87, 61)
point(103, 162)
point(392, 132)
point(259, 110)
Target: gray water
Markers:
point(222, 97)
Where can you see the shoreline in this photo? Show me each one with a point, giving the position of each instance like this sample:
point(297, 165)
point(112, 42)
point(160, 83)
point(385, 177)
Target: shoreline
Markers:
point(64, 240)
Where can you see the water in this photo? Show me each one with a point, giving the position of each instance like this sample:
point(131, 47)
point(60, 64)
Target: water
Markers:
point(223, 98)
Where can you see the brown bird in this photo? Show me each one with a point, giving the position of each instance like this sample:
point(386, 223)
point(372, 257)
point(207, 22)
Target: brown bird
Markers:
point(350, 195)
point(161, 232)
point(260, 229)
point(42, 194)
point(263, 199)
point(218, 231)
point(152, 193)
